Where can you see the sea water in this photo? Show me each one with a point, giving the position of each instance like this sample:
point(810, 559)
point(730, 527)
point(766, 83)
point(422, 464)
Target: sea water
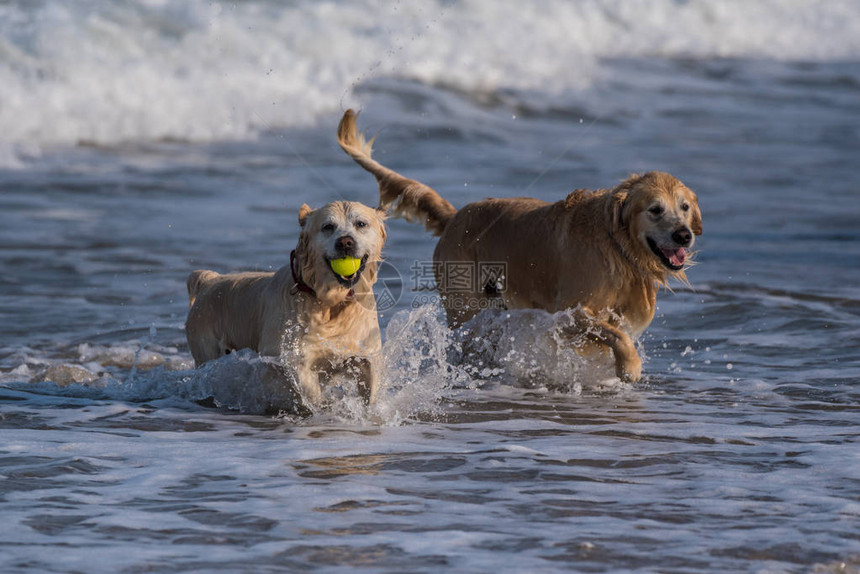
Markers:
point(142, 139)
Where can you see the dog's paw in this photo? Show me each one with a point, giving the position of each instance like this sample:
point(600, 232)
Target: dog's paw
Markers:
point(629, 369)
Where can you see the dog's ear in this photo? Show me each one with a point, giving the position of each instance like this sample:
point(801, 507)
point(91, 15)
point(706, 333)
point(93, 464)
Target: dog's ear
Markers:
point(305, 259)
point(304, 212)
point(383, 233)
point(302, 246)
point(381, 216)
point(696, 221)
point(616, 212)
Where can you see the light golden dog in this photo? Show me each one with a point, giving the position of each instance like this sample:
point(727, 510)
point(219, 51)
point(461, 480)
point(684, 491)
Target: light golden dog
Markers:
point(603, 254)
point(314, 319)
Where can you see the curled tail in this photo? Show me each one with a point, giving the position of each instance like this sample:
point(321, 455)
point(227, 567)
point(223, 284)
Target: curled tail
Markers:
point(406, 197)
point(196, 281)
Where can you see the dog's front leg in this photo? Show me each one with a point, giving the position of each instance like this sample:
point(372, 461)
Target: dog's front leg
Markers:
point(309, 381)
point(365, 376)
point(364, 371)
point(628, 364)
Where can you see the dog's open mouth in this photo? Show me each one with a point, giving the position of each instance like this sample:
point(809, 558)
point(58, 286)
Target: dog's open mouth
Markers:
point(672, 258)
point(348, 281)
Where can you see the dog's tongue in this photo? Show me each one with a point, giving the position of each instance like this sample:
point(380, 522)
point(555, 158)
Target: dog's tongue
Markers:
point(675, 256)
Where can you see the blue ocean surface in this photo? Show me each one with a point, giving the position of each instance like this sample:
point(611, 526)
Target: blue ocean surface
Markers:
point(142, 139)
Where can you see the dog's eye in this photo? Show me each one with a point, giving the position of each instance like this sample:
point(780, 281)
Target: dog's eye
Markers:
point(328, 227)
point(685, 207)
point(360, 224)
point(656, 210)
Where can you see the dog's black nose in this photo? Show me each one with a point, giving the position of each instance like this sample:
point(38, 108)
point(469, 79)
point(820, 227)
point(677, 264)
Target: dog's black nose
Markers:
point(345, 244)
point(683, 237)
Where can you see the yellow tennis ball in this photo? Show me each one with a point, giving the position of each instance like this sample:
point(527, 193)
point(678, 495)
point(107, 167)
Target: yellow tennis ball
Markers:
point(346, 266)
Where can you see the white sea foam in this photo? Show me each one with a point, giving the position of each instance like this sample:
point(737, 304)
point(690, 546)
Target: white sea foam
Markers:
point(194, 70)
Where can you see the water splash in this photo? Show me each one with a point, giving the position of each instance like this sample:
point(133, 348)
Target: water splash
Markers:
point(529, 347)
point(424, 362)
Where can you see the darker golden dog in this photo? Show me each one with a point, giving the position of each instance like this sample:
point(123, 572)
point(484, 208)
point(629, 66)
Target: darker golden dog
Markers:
point(603, 253)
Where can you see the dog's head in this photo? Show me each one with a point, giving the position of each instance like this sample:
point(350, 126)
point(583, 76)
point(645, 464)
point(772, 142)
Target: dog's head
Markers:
point(656, 218)
point(334, 231)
